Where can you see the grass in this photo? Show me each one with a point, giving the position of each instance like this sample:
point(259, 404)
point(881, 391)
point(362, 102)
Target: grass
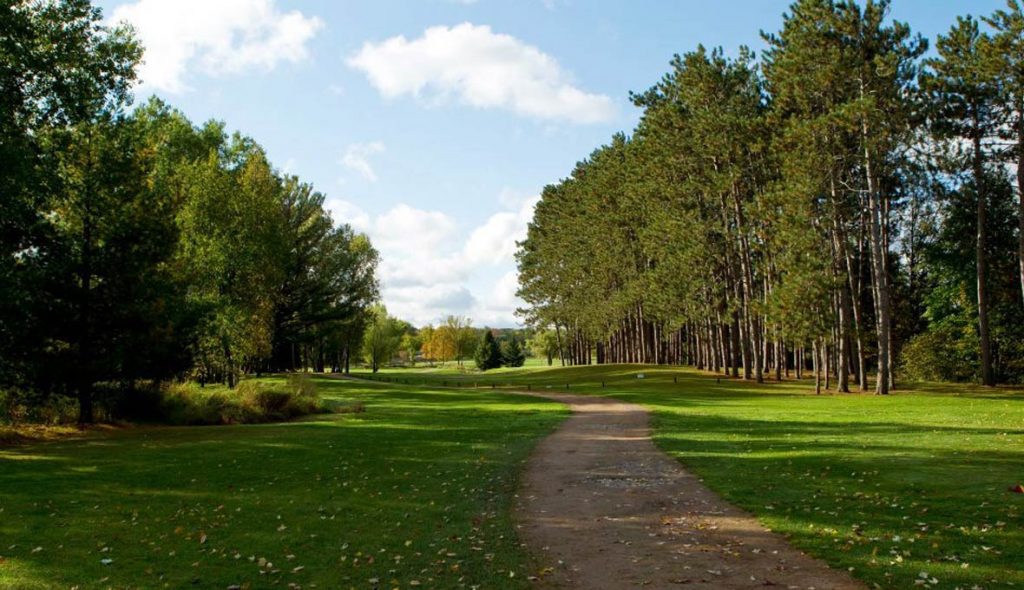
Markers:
point(908, 490)
point(414, 491)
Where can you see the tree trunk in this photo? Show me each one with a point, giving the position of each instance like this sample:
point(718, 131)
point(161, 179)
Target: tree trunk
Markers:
point(1020, 191)
point(878, 271)
point(845, 305)
point(815, 354)
point(85, 343)
point(982, 263)
point(558, 339)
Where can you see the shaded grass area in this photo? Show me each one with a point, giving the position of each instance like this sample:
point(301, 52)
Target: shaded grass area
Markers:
point(893, 487)
point(416, 489)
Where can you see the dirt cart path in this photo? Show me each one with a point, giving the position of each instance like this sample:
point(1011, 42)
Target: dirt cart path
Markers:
point(605, 509)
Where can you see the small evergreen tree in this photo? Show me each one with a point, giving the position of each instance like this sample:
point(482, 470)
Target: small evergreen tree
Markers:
point(488, 355)
point(512, 354)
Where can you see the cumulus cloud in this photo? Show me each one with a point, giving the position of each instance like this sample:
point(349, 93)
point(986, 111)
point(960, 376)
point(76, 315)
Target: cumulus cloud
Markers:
point(430, 267)
point(215, 37)
point(501, 302)
point(422, 305)
point(413, 230)
point(494, 242)
point(480, 68)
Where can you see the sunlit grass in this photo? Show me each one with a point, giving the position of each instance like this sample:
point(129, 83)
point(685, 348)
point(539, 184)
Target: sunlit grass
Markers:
point(416, 489)
point(893, 487)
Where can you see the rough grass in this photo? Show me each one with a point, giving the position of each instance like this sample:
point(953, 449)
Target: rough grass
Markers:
point(416, 489)
point(909, 490)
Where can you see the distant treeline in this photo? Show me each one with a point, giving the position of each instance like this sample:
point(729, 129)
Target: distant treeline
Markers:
point(138, 247)
point(845, 202)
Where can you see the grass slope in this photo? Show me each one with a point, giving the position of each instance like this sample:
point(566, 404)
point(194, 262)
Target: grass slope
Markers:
point(908, 490)
point(415, 491)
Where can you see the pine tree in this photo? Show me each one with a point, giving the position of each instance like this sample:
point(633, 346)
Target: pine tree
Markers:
point(963, 93)
point(512, 353)
point(488, 355)
point(1006, 57)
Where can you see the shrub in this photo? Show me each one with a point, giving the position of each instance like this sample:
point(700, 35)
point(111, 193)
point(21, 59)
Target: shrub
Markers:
point(250, 402)
point(180, 403)
point(19, 408)
point(12, 410)
point(945, 352)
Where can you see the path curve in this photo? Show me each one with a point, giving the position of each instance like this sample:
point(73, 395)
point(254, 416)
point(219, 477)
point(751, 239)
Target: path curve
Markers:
point(605, 509)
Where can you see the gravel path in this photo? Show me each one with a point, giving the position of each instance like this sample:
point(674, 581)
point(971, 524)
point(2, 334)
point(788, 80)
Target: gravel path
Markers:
point(602, 508)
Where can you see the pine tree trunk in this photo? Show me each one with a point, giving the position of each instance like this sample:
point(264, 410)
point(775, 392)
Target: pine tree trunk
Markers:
point(558, 339)
point(815, 354)
point(780, 358)
point(982, 263)
point(85, 343)
point(878, 271)
point(1020, 191)
point(844, 304)
point(736, 352)
point(857, 292)
point(826, 358)
point(888, 285)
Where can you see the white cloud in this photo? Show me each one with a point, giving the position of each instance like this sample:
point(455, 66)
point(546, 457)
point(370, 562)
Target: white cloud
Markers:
point(343, 211)
point(216, 37)
point(430, 269)
point(413, 230)
point(501, 303)
point(357, 158)
point(494, 242)
point(479, 68)
point(429, 304)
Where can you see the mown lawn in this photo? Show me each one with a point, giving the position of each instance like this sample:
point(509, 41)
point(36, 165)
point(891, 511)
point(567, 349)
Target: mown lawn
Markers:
point(909, 490)
point(414, 492)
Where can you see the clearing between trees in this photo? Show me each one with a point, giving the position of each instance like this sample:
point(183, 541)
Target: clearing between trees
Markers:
point(419, 489)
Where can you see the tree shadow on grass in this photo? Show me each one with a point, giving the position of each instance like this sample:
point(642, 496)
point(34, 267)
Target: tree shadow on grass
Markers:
point(407, 469)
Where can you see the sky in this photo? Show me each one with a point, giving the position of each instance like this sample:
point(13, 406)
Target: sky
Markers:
point(433, 125)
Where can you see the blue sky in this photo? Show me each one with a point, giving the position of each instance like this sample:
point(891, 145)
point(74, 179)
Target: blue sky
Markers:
point(433, 124)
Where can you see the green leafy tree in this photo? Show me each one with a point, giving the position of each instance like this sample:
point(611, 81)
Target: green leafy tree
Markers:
point(411, 344)
point(60, 68)
point(382, 338)
point(106, 269)
point(544, 344)
point(460, 337)
point(231, 254)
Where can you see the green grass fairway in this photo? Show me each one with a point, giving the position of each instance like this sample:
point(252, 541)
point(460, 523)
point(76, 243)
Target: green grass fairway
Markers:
point(415, 491)
point(894, 487)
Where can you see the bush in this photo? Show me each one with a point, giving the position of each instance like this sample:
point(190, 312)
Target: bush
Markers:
point(17, 408)
point(946, 352)
point(250, 402)
point(179, 403)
